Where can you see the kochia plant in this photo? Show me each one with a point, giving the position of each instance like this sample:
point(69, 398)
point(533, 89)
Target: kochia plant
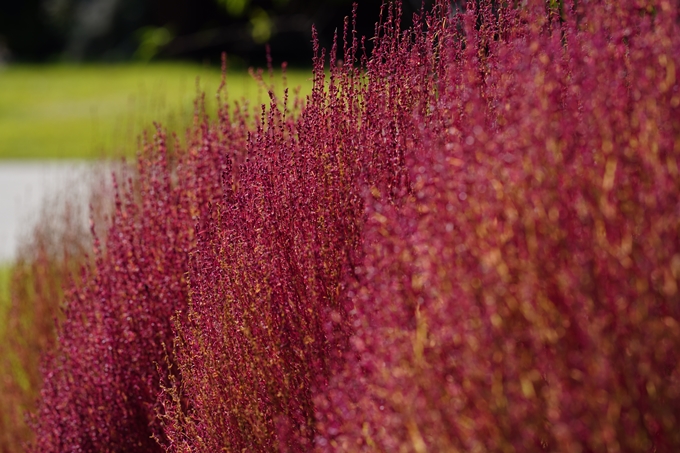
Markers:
point(467, 242)
point(47, 259)
point(525, 296)
point(268, 314)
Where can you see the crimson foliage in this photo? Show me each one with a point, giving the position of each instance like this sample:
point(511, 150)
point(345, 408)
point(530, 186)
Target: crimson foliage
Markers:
point(468, 242)
point(525, 297)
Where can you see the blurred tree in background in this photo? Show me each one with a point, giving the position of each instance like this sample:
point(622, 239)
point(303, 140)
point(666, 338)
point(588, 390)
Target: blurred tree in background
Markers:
point(118, 30)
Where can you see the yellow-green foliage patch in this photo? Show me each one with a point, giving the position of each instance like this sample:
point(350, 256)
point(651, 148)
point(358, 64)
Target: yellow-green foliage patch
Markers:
point(89, 111)
point(5, 271)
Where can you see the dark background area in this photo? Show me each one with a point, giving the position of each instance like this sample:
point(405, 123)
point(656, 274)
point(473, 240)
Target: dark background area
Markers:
point(198, 30)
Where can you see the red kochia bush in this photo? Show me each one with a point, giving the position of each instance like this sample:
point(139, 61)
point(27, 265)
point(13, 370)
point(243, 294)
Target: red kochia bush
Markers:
point(246, 239)
point(101, 383)
point(268, 313)
point(525, 296)
point(468, 242)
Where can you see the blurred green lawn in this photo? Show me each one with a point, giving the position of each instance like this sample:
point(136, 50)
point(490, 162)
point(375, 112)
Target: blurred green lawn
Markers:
point(91, 111)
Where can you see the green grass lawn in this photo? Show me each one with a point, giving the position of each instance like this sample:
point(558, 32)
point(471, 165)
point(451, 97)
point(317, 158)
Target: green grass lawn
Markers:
point(90, 111)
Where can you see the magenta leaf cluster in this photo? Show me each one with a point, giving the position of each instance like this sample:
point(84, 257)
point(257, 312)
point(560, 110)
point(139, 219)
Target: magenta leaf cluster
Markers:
point(469, 241)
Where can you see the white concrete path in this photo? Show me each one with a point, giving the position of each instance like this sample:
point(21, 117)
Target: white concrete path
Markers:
point(25, 187)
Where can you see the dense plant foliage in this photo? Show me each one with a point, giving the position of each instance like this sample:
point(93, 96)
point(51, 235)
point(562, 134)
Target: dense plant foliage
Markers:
point(49, 257)
point(35, 292)
point(524, 297)
point(468, 242)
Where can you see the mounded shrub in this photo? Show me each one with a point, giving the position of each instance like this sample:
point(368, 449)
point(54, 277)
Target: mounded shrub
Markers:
point(524, 296)
point(49, 257)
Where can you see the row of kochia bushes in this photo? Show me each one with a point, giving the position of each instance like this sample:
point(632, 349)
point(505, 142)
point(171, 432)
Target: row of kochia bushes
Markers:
point(469, 241)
